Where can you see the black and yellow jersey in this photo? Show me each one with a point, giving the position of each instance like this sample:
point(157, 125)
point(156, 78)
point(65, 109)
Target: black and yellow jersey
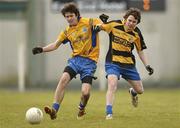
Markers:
point(122, 43)
point(82, 40)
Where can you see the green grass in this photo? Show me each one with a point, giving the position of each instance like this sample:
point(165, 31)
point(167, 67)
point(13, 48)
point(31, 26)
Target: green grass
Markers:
point(157, 109)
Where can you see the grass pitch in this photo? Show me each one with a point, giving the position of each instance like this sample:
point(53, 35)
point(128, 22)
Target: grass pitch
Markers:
point(157, 109)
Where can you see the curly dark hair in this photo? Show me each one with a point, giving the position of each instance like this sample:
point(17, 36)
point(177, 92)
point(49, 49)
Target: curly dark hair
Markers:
point(134, 12)
point(70, 7)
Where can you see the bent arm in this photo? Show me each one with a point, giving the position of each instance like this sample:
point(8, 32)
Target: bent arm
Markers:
point(143, 58)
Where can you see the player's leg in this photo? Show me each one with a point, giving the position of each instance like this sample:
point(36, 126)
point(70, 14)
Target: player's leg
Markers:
point(133, 77)
point(68, 74)
point(85, 94)
point(112, 74)
point(137, 88)
point(86, 69)
point(112, 86)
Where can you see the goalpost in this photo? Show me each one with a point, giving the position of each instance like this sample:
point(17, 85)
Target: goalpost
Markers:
point(21, 66)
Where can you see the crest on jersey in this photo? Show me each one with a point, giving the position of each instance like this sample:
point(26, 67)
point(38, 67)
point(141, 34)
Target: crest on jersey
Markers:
point(84, 29)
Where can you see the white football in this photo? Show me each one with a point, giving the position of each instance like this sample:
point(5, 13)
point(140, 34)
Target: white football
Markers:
point(34, 115)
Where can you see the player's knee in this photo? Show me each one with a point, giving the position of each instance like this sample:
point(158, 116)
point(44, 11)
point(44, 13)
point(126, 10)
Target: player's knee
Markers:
point(64, 81)
point(70, 72)
point(112, 84)
point(112, 87)
point(140, 91)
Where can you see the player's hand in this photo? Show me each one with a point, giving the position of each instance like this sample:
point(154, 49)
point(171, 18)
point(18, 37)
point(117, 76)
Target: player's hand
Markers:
point(37, 50)
point(96, 28)
point(104, 18)
point(149, 69)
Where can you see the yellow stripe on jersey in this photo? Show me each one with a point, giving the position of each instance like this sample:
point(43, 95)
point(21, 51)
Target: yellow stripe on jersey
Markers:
point(121, 59)
point(120, 47)
point(80, 39)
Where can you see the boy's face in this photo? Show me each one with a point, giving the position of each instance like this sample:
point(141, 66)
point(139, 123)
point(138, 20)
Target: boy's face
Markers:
point(131, 23)
point(71, 18)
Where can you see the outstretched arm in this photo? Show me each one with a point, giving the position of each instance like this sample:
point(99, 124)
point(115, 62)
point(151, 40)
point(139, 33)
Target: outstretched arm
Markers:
point(51, 47)
point(48, 48)
point(144, 61)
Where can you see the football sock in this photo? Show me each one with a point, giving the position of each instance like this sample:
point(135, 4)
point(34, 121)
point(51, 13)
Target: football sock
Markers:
point(84, 99)
point(83, 102)
point(133, 92)
point(81, 106)
point(56, 106)
point(108, 109)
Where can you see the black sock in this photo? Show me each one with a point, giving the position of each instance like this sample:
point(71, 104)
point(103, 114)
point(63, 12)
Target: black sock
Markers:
point(133, 92)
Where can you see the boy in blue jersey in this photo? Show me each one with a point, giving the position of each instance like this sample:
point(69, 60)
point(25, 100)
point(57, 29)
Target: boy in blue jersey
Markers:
point(120, 62)
point(85, 53)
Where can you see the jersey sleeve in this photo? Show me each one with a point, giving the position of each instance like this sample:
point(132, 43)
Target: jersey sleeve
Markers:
point(97, 21)
point(62, 38)
point(140, 44)
point(107, 27)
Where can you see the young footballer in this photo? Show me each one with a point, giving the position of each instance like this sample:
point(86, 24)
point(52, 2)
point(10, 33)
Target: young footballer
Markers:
point(124, 35)
point(85, 52)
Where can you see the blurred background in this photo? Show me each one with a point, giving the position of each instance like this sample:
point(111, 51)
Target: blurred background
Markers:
point(25, 24)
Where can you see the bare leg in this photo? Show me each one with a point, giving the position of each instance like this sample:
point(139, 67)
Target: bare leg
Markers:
point(137, 88)
point(59, 93)
point(112, 86)
point(85, 94)
point(58, 96)
point(110, 94)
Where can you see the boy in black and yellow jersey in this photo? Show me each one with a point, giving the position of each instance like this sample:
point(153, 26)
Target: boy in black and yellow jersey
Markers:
point(85, 53)
point(120, 61)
